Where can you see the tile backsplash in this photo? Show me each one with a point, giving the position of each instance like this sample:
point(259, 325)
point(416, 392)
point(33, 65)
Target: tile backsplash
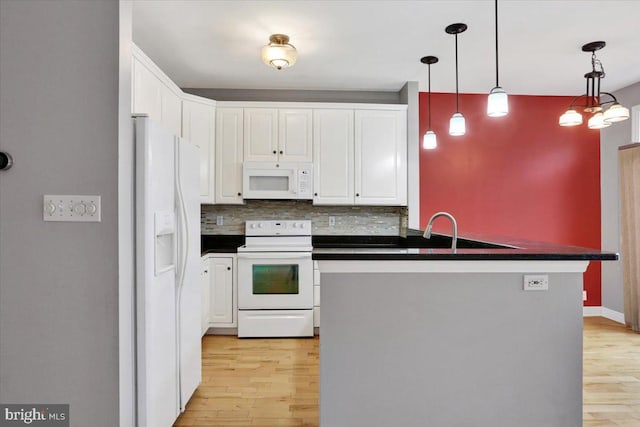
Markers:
point(349, 220)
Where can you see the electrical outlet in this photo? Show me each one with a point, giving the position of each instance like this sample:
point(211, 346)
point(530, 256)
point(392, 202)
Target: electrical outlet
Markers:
point(219, 220)
point(332, 221)
point(536, 282)
point(584, 295)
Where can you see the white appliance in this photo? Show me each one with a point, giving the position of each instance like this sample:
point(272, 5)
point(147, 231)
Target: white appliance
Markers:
point(168, 361)
point(275, 280)
point(282, 180)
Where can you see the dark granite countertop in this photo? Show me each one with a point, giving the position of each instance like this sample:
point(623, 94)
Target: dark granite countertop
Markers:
point(471, 246)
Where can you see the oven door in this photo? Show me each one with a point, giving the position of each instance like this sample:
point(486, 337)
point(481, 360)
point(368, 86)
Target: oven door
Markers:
point(275, 280)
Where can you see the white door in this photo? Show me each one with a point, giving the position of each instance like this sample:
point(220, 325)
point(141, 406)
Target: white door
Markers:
point(188, 274)
point(221, 291)
point(380, 157)
point(333, 150)
point(260, 134)
point(295, 135)
point(157, 365)
point(198, 126)
point(229, 155)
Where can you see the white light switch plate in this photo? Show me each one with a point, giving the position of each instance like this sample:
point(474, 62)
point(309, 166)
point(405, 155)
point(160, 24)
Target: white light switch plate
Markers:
point(71, 208)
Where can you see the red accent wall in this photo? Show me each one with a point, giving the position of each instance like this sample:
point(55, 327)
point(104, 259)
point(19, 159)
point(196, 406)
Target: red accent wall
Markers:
point(520, 175)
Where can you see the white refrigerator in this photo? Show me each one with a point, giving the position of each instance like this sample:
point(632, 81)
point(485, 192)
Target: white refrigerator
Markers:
point(168, 346)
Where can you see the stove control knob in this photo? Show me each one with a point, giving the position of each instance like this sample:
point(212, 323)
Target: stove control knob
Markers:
point(261, 225)
point(253, 226)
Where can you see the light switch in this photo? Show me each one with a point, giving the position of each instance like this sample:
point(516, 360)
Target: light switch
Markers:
point(71, 208)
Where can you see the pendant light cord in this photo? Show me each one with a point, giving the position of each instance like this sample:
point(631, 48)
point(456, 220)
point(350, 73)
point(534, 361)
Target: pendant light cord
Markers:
point(457, 108)
point(496, 4)
point(429, 98)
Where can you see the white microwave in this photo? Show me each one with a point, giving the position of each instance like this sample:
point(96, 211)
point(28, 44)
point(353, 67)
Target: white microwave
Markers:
point(277, 180)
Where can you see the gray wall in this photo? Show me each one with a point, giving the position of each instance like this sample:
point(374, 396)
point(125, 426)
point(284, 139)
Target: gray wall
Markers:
point(450, 350)
point(59, 281)
point(610, 139)
point(410, 95)
point(284, 95)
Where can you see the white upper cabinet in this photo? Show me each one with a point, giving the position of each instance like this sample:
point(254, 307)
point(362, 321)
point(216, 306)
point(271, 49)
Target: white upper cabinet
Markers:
point(153, 93)
point(333, 157)
point(199, 127)
point(380, 157)
point(272, 135)
point(260, 134)
point(229, 155)
point(295, 135)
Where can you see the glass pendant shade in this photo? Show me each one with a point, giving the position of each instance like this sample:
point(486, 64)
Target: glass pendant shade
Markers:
point(279, 53)
point(597, 122)
point(429, 141)
point(457, 125)
point(570, 118)
point(497, 103)
point(616, 113)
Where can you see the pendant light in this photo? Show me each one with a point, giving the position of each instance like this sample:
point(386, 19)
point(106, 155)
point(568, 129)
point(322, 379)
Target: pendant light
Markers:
point(594, 101)
point(497, 102)
point(457, 126)
point(429, 141)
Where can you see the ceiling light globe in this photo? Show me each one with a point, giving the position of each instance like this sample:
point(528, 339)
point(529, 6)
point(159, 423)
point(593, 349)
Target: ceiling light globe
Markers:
point(597, 122)
point(497, 102)
point(457, 125)
point(278, 53)
point(570, 118)
point(616, 113)
point(429, 141)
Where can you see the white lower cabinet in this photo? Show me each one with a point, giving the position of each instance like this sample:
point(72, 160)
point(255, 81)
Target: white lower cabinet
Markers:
point(205, 284)
point(316, 295)
point(221, 299)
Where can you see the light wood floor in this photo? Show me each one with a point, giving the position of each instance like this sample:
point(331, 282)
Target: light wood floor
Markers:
point(274, 382)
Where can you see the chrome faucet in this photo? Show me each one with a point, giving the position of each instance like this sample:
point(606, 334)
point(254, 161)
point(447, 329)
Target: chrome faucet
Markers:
point(454, 224)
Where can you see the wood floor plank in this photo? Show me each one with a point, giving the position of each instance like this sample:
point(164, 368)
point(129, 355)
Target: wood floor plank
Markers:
point(274, 382)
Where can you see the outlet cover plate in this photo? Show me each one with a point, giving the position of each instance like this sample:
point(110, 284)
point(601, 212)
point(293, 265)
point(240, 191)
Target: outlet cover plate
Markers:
point(536, 282)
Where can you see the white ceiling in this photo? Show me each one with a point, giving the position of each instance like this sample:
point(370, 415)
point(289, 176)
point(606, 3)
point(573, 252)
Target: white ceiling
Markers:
point(376, 45)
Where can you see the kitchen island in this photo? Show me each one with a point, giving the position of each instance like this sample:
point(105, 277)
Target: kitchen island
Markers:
point(428, 337)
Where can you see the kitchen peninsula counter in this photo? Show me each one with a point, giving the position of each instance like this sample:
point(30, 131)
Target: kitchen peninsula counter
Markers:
point(417, 336)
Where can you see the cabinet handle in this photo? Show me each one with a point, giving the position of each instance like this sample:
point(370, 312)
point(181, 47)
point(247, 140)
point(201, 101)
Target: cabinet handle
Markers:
point(274, 152)
point(239, 194)
point(357, 194)
point(228, 268)
point(206, 271)
point(281, 152)
point(315, 194)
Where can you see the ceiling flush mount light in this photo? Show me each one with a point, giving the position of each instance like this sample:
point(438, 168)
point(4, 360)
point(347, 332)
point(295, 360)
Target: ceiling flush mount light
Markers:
point(279, 53)
point(457, 124)
point(429, 141)
point(594, 101)
point(498, 102)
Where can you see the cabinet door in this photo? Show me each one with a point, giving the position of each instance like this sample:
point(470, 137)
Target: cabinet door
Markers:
point(229, 155)
point(221, 297)
point(146, 92)
point(333, 151)
point(205, 283)
point(171, 111)
point(380, 157)
point(198, 126)
point(260, 134)
point(295, 135)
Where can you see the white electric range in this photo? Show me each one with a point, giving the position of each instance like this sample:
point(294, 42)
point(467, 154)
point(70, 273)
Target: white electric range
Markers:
point(275, 280)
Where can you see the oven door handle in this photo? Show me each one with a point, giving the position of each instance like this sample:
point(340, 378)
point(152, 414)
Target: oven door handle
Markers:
point(275, 255)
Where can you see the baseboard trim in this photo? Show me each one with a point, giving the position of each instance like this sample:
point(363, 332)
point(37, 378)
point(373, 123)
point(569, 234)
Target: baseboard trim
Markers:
point(616, 316)
point(598, 311)
point(591, 311)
